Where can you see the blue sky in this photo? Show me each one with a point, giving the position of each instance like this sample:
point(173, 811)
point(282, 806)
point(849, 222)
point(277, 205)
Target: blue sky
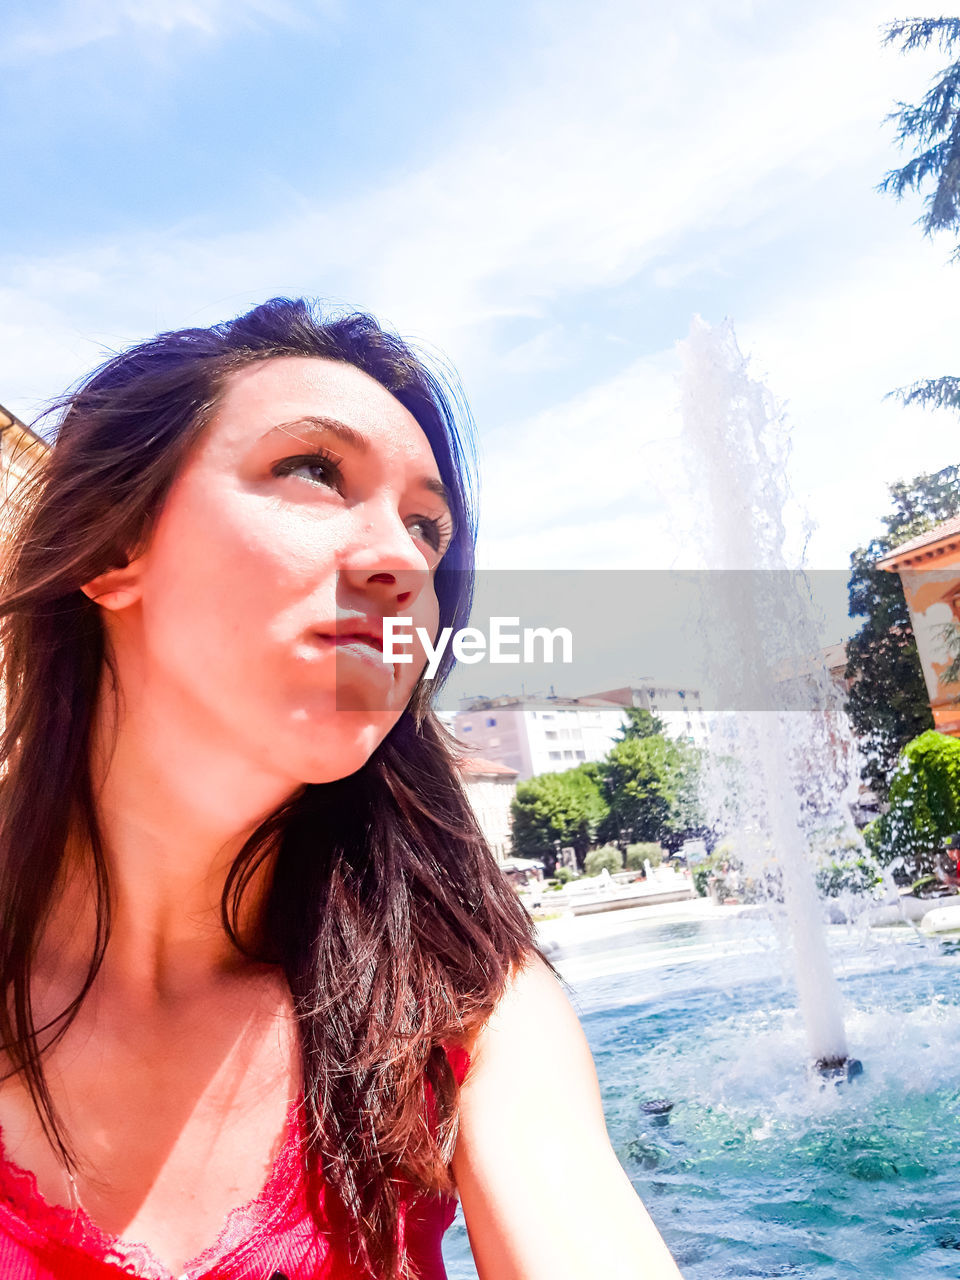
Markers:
point(545, 193)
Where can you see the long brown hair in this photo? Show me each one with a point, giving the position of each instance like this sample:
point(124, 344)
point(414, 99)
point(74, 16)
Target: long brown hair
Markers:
point(387, 912)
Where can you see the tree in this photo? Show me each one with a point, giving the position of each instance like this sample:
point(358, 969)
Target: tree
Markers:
point(640, 723)
point(558, 809)
point(652, 788)
point(888, 703)
point(933, 127)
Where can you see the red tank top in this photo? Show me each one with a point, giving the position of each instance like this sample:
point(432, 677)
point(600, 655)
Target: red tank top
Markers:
point(277, 1236)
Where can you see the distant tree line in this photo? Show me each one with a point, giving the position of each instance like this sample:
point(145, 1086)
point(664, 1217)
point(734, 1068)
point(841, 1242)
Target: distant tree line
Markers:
point(645, 790)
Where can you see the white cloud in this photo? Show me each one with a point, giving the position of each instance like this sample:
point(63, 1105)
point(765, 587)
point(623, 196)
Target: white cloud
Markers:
point(78, 23)
point(589, 480)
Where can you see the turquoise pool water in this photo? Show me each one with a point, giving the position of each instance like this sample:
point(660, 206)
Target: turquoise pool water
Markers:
point(761, 1170)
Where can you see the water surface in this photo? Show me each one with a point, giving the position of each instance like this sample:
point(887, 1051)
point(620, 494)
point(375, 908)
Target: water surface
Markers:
point(763, 1171)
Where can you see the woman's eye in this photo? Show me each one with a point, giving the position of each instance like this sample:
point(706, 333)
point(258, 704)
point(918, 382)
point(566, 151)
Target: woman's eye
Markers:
point(316, 468)
point(435, 533)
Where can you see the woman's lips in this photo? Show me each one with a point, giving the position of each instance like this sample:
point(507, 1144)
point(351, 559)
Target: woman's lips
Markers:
point(356, 638)
point(357, 647)
point(352, 629)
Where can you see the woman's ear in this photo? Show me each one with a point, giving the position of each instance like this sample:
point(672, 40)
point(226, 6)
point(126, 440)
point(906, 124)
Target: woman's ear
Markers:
point(115, 589)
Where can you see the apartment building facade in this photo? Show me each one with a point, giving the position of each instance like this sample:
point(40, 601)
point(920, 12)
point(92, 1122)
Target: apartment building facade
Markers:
point(539, 735)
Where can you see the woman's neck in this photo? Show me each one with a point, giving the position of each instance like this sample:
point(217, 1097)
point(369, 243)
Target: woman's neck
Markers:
point(173, 813)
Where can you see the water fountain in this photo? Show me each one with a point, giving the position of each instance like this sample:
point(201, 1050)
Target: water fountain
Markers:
point(758, 629)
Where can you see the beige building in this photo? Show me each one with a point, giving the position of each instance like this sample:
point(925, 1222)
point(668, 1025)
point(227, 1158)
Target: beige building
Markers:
point(929, 569)
point(835, 660)
point(21, 450)
point(490, 787)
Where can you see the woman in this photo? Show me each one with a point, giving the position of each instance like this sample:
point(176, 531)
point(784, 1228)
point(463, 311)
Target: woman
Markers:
point(269, 1002)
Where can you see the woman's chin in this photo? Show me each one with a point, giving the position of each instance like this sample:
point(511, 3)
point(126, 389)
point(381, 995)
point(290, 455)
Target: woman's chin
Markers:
point(344, 746)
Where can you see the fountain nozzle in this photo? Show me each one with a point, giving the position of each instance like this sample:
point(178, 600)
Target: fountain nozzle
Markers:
point(838, 1070)
point(658, 1109)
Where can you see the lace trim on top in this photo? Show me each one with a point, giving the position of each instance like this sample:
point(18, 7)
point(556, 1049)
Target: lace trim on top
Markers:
point(281, 1205)
point(38, 1222)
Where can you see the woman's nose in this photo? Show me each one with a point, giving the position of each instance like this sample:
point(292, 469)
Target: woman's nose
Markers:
point(383, 558)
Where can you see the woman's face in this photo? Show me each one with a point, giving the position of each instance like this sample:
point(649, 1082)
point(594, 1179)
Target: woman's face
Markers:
point(310, 509)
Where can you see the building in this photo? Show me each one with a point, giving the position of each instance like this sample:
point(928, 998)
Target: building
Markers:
point(929, 569)
point(835, 661)
point(490, 788)
point(539, 735)
point(798, 681)
point(21, 450)
point(680, 710)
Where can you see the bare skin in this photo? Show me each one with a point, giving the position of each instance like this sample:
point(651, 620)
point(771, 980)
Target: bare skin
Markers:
point(174, 1081)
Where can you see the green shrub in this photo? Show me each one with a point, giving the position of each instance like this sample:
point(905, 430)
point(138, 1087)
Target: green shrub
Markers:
point(638, 854)
point(566, 874)
point(761, 883)
point(710, 869)
point(702, 872)
point(919, 887)
point(609, 857)
point(842, 864)
point(847, 875)
point(924, 806)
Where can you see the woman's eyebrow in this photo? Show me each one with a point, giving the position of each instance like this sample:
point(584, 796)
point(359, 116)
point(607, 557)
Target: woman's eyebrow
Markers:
point(437, 487)
point(356, 440)
point(349, 435)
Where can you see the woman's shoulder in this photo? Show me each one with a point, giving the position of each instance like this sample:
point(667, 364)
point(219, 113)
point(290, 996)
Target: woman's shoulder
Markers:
point(533, 1021)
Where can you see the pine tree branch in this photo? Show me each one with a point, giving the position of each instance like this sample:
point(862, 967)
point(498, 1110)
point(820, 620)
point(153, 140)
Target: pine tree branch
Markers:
point(933, 124)
point(917, 33)
point(930, 393)
point(912, 174)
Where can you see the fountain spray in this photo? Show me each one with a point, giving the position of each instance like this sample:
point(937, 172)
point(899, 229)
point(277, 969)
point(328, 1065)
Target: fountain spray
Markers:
point(781, 714)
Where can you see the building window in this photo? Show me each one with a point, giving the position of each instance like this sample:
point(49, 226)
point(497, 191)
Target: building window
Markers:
point(467, 728)
point(581, 755)
point(547, 715)
point(568, 755)
point(491, 722)
point(554, 755)
point(551, 734)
